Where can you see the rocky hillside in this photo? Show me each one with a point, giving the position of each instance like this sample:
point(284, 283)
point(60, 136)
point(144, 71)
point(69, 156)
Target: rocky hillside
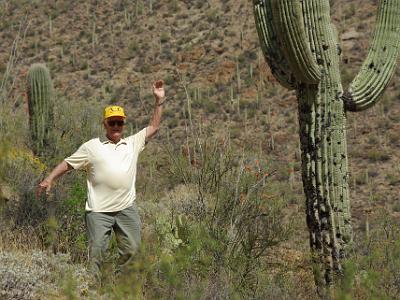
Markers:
point(102, 52)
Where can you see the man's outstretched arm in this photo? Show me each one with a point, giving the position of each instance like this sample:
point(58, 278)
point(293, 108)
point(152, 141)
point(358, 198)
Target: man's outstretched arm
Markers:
point(58, 171)
point(159, 94)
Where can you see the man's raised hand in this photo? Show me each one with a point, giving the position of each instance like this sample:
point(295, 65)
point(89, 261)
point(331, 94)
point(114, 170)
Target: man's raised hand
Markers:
point(158, 90)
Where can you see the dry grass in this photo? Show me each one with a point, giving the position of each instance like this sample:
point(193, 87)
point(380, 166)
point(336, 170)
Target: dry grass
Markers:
point(38, 275)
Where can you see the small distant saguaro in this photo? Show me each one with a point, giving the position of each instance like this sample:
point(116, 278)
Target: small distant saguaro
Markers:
point(40, 105)
point(301, 46)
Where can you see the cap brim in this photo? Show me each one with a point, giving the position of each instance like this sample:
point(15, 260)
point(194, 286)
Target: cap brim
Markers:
point(115, 115)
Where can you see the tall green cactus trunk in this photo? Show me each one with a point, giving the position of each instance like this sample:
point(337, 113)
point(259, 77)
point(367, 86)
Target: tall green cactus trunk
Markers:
point(300, 44)
point(40, 106)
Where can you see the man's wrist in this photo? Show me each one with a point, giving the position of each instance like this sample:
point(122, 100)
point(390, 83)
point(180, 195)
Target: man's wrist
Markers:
point(49, 180)
point(160, 102)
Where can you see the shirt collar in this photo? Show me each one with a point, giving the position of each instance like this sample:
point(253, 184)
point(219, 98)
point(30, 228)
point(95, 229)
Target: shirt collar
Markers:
point(104, 140)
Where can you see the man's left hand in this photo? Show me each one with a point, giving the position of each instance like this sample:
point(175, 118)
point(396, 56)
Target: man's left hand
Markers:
point(158, 91)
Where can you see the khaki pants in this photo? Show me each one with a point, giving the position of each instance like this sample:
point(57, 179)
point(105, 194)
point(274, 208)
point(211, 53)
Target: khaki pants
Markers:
point(126, 226)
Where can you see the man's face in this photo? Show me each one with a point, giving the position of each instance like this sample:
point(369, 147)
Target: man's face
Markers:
point(114, 128)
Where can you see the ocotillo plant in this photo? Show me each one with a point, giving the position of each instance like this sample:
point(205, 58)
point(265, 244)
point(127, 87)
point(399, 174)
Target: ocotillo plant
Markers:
point(300, 44)
point(40, 105)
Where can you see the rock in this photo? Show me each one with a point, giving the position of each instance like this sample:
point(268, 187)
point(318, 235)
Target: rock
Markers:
point(217, 48)
point(351, 34)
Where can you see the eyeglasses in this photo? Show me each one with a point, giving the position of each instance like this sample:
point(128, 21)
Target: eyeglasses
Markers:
point(111, 123)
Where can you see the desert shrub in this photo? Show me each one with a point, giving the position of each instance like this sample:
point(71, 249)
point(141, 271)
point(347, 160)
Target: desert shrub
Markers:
point(221, 218)
point(373, 271)
point(145, 68)
point(132, 49)
point(21, 171)
point(172, 123)
point(165, 37)
point(375, 155)
point(173, 7)
point(169, 80)
point(393, 178)
point(201, 101)
point(212, 16)
point(71, 232)
point(38, 275)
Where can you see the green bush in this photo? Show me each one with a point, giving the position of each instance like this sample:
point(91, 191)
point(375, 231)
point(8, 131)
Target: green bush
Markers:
point(173, 6)
point(231, 217)
point(71, 221)
point(376, 155)
point(373, 271)
point(165, 37)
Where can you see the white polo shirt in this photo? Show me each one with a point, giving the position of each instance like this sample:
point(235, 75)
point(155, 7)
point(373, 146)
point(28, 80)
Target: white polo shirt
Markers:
point(111, 171)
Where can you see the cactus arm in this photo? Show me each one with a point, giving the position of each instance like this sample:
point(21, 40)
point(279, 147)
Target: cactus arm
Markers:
point(378, 68)
point(288, 19)
point(269, 43)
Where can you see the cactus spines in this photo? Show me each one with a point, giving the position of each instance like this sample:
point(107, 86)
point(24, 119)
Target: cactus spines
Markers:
point(300, 44)
point(40, 106)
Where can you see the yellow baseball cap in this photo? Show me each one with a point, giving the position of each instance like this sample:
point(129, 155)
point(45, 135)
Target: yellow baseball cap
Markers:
point(114, 111)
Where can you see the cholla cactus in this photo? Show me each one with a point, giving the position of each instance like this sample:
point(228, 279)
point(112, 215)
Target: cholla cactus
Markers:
point(300, 45)
point(40, 107)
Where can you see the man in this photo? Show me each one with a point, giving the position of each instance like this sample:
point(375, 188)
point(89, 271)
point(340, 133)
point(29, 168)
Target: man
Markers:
point(111, 174)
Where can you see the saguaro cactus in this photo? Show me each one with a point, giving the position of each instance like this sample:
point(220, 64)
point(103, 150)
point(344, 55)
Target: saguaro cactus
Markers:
point(300, 44)
point(40, 107)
